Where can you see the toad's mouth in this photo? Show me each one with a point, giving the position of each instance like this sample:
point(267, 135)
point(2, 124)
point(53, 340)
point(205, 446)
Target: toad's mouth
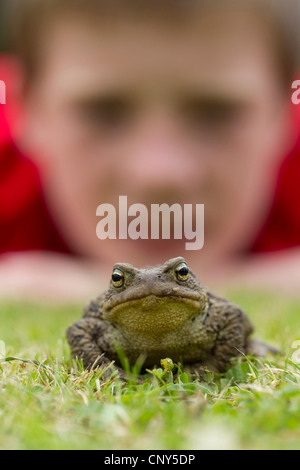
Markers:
point(153, 312)
point(195, 298)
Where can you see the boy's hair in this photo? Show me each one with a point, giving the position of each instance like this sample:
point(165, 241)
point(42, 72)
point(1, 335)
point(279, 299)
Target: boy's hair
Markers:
point(3, 29)
point(29, 17)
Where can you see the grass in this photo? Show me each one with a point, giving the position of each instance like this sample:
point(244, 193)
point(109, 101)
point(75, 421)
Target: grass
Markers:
point(48, 402)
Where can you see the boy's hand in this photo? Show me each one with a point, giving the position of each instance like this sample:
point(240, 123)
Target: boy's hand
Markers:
point(275, 271)
point(48, 277)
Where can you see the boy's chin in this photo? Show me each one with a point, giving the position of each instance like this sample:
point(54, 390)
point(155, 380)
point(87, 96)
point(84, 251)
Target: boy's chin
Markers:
point(141, 252)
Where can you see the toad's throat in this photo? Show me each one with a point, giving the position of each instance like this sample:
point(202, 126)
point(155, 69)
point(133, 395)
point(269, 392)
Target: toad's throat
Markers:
point(154, 314)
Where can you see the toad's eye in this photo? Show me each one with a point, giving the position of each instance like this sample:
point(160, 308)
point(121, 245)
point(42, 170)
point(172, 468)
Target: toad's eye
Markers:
point(182, 272)
point(117, 278)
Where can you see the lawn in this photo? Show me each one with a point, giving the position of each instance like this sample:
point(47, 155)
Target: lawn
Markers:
point(48, 402)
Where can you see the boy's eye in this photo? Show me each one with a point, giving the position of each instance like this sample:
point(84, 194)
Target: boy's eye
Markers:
point(107, 112)
point(211, 114)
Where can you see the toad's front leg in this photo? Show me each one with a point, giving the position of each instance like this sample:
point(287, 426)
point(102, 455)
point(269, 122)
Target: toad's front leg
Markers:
point(83, 339)
point(233, 329)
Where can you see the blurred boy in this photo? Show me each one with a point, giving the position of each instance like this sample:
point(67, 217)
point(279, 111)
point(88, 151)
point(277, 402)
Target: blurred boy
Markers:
point(164, 102)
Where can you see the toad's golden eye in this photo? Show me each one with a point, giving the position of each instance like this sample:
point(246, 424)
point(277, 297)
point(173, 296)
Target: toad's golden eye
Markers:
point(182, 272)
point(117, 278)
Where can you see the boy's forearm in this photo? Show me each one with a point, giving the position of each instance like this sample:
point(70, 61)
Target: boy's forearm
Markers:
point(278, 271)
point(47, 277)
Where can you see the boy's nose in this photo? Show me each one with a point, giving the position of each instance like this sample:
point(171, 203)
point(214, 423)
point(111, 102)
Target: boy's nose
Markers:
point(160, 155)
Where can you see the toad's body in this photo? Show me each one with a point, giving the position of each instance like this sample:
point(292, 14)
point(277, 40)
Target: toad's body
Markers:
point(160, 312)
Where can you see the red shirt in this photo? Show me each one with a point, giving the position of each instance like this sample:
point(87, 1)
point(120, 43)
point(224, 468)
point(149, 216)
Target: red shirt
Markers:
point(282, 226)
point(25, 222)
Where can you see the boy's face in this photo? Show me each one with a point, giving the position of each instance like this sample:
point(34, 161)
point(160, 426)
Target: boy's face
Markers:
point(161, 114)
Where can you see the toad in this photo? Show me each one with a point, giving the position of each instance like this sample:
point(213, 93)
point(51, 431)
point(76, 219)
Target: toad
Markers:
point(159, 312)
